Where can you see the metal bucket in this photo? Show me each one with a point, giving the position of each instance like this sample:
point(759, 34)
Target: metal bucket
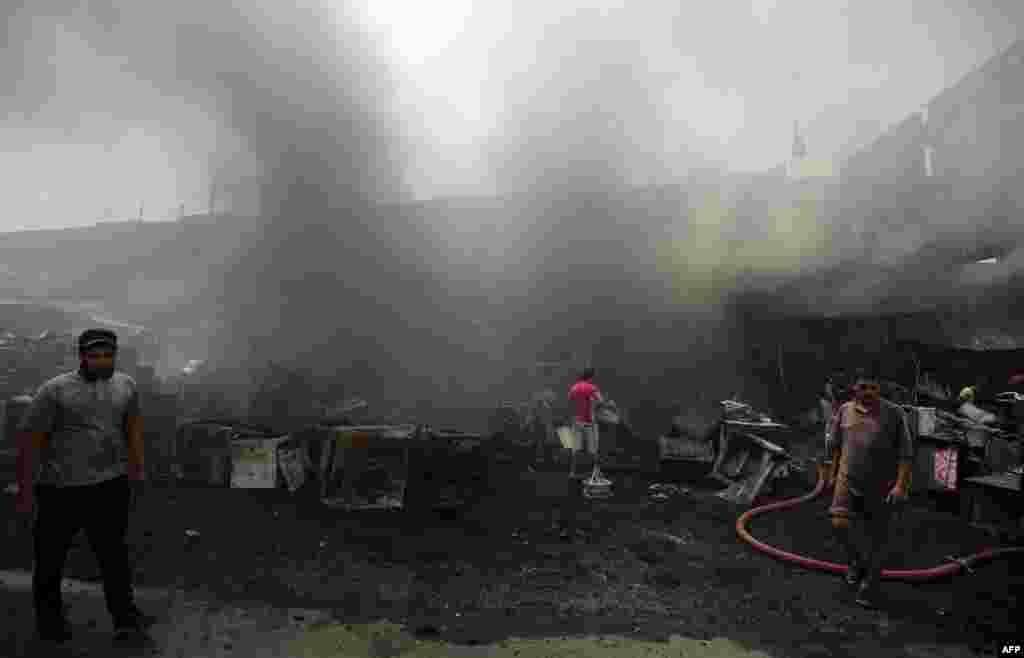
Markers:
point(597, 488)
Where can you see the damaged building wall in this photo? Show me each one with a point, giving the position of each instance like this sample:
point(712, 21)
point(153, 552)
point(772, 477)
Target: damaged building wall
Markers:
point(888, 206)
point(975, 126)
point(916, 209)
point(946, 175)
point(788, 357)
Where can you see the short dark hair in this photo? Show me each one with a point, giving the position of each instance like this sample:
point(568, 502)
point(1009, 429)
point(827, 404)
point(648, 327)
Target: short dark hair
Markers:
point(871, 372)
point(587, 374)
point(95, 338)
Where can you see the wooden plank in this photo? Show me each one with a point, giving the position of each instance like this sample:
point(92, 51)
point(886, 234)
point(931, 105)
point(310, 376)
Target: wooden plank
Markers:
point(1003, 481)
point(723, 447)
point(764, 443)
point(763, 426)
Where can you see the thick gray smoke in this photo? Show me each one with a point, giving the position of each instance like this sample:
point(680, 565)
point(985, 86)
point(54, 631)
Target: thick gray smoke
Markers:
point(322, 284)
point(582, 148)
point(583, 125)
point(317, 281)
point(330, 279)
point(312, 106)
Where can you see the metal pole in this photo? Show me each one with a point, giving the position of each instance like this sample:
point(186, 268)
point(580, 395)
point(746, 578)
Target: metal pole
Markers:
point(782, 371)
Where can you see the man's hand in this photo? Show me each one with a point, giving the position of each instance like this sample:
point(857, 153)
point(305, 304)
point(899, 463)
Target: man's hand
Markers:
point(25, 503)
point(897, 495)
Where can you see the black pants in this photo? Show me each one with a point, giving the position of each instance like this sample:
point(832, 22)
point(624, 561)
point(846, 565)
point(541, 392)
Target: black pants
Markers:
point(868, 535)
point(102, 511)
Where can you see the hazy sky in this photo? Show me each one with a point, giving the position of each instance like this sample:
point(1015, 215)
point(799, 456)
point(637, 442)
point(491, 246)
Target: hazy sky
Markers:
point(87, 137)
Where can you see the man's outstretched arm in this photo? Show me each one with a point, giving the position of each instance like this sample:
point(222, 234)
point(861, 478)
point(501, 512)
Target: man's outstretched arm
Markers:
point(136, 450)
point(29, 445)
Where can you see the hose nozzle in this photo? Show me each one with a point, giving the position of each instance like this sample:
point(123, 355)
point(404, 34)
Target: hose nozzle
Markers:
point(964, 564)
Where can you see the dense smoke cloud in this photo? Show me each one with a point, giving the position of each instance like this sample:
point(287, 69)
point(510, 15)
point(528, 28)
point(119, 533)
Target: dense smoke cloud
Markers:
point(615, 237)
point(584, 137)
point(588, 109)
point(318, 286)
point(587, 114)
point(306, 101)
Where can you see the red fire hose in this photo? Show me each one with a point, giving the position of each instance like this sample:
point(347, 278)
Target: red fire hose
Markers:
point(955, 565)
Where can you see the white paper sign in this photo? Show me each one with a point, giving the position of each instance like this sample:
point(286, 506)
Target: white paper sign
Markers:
point(254, 464)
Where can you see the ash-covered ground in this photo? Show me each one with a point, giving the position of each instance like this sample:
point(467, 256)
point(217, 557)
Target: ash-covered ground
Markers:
point(535, 559)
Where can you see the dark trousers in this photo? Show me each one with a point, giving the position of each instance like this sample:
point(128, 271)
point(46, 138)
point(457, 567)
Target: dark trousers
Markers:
point(102, 511)
point(868, 536)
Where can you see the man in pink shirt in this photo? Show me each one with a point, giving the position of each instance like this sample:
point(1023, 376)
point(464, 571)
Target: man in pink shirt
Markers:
point(872, 455)
point(584, 394)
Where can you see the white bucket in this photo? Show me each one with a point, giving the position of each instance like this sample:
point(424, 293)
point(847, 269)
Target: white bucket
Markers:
point(569, 438)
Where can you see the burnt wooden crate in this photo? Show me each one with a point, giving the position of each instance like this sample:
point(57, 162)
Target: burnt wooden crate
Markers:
point(994, 502)
point(687, 449)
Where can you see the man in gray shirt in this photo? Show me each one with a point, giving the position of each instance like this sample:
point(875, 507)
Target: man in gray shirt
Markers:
point(872, 454)
point(87, 430)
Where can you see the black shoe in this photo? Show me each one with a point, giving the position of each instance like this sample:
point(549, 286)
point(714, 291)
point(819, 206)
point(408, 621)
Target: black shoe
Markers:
point(135, 620)
point(854, 574)
point(132, 637)
point(867, 596)
point(56, 632)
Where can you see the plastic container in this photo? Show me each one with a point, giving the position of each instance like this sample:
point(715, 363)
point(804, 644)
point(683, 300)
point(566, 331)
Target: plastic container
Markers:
point(607, 413)
point(927, 420)
point(569, 438)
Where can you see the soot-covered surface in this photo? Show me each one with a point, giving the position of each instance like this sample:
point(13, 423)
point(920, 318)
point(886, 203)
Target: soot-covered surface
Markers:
point(536, 559)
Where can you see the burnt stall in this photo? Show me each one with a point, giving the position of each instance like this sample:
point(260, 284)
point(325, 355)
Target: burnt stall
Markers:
point(412, 467)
